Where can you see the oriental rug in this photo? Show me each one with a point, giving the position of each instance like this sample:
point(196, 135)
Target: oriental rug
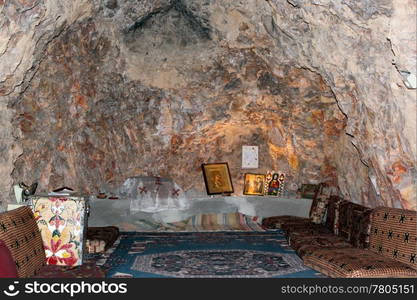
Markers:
point(204, 255)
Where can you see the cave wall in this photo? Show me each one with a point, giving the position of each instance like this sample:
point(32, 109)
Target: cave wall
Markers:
point(87, 124)
point(366, 45)
point(85, 107)
point(26, 28)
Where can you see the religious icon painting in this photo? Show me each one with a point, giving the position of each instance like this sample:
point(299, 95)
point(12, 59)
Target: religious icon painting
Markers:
point(217, 178)
point(254, 184)
point(273, 187)
point(309, 190)
point(268, 178)
point(281, 180)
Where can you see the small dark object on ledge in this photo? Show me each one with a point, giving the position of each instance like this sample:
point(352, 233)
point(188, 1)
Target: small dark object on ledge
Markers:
point(63, 189)
point(28, 190)
point(101, 196)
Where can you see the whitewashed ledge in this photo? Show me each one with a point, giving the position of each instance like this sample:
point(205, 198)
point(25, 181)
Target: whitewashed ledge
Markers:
point(104, 212)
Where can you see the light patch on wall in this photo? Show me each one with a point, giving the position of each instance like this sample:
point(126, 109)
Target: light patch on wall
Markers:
point(288, 151)
point(409, 79)
point(276, 151)
point(293, 161)
point(375, 184)
point(408, 195)
point(165, 124)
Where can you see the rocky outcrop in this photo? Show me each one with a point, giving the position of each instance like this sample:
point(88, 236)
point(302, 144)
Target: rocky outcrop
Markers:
point(103, 90)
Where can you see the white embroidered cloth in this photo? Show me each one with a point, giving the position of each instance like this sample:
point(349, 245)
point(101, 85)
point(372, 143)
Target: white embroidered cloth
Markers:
point(153, 194)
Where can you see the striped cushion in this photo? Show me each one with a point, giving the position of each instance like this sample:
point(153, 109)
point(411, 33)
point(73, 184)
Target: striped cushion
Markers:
point(220, 222)
point(19, 231)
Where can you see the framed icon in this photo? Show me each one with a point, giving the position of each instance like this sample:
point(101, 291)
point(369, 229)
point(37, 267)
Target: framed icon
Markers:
point(309, 190)
point(254, 184)
point(217, 178)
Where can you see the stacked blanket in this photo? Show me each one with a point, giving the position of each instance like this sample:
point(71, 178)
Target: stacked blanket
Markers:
point(215, 222)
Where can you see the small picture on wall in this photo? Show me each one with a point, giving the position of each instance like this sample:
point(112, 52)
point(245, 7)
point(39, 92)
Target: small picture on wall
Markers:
point(268, 178)
point(254, 184)
point(273, 186)
point(217, 178)
point(309, 190)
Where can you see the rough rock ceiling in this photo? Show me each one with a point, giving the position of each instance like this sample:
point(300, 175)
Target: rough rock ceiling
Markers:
point(93, 91)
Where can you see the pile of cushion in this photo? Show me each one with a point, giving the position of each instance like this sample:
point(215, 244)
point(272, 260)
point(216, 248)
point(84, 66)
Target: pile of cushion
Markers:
point(350, 240)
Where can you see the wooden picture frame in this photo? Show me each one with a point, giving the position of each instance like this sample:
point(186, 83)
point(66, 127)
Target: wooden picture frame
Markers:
point(217, 178)
point(254, 184)
point(309, 191)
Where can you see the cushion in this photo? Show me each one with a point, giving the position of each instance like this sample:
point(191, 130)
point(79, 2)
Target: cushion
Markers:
point(223, 221)
point(319, 207)
point(277, 221)
point(307, 233)
point(7, 265)
point(316, 209)
point(344, 212)
point(307, 245)
point(306, 228)
point(393, 234)
point(361, 228)
point(99, 239)
point(295, 235)
point(19, 231)
point(320, 202)
point(354, 262)
point(83, 271)
point(332, 216)
point(345, 219)
point(61, 220)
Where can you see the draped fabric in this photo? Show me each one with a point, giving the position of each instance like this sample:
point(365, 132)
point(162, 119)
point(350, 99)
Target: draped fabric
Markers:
point(153, 194)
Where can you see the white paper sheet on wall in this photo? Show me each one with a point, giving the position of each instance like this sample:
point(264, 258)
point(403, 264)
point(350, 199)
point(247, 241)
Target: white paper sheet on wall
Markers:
point(250, 157)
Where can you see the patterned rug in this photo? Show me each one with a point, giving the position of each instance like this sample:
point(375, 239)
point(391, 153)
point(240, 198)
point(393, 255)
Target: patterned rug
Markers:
point(203, 255)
